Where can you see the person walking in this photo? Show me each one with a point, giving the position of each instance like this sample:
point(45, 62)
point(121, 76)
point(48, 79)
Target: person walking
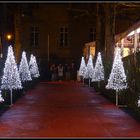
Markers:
point(73, 72)
point(52, 70)
point(67, 72)
point(60, 72)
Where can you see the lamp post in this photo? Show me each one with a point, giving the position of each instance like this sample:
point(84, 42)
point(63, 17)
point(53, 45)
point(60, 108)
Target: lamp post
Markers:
point(48, 47)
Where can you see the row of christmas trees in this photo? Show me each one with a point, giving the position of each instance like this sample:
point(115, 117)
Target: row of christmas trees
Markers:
point(117, 79)
point(14, 77)
point(88, 71)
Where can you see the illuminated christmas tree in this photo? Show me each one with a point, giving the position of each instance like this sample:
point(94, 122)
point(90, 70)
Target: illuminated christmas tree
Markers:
point(139, 102)
point(82, 69)
point(36, 67)
point(98, 74)
point(117, 79)
point(90, 69)
point(11, 78)
point(33, 67)
point(24, 68)
point(1, 98)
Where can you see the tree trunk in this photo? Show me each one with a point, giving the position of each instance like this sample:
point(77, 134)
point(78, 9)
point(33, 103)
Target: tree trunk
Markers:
point(100, 28)
point(109, 37)
point(17, 36)
point(109, 31)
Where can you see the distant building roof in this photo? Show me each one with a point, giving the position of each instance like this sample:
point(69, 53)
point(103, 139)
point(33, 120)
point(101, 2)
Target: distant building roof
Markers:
point(122, 35)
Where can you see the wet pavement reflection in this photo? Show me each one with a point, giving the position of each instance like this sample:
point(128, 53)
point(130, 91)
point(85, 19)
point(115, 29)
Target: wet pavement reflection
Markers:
point(66, 109)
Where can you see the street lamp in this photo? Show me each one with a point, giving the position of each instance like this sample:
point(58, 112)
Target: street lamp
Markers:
point(8, 40)
point(9, 37)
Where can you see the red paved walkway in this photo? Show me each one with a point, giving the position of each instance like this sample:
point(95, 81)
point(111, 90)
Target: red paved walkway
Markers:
point(66, 110)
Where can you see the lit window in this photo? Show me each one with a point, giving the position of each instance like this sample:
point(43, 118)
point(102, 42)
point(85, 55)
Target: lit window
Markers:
point(63, 37)
point(34, 36)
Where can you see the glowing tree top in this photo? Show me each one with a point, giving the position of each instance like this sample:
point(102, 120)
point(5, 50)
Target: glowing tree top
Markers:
point(98, 73)
point(24, 68)
point(11, 79)
point(117, 79)
point(82, 69)
point(36, 66)
point(33, 67)
point(90, 69)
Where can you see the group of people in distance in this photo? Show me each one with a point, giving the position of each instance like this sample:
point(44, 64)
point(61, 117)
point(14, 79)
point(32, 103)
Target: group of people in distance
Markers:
point(60, 72)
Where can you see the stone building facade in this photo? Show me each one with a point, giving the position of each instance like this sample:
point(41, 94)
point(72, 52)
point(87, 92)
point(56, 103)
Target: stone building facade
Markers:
point(53, 34)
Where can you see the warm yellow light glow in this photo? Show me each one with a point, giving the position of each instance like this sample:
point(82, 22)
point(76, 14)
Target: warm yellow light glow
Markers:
point(126, 52)
point(9, 36)
point(92, 51)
